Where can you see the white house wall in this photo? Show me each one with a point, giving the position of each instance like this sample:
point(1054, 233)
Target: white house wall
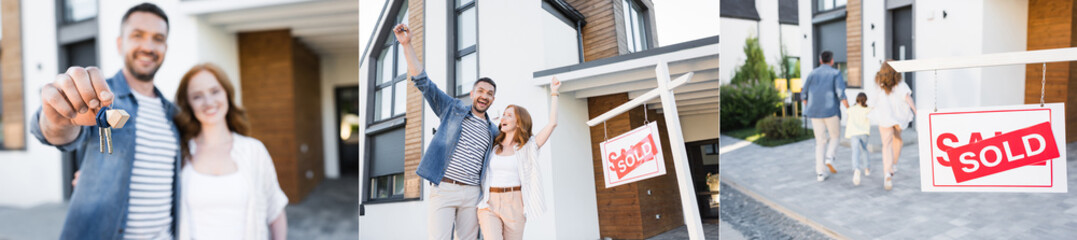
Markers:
point(33, 176)
point(770, 38)
point(337, 71)
point(509, 55)
point(959, 34)
point(1007, 31)
point(734, 32)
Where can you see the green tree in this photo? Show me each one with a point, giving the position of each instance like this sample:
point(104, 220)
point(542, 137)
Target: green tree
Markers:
point(755, 68)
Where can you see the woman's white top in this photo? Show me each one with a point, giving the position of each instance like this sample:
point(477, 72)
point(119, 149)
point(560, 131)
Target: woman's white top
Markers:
point(504, 171)
point(890, 109)
point(530, 179)
point(219, 204)
point(264, 200)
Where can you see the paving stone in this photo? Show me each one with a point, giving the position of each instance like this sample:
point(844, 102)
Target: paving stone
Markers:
point(785, 175)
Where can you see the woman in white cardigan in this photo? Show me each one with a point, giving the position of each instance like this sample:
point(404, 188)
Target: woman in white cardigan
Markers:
point(512, 187)
point(229, 185)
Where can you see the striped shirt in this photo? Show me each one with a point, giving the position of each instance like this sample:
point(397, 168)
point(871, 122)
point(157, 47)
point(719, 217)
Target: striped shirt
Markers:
point(149, 213)
point(466, 160)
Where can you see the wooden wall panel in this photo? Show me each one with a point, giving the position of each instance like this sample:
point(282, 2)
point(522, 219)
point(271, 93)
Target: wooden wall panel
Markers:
point(853, 36)
point(12, 123)
point(413, 128)
point(600, 36)
point(1051, 25)
point(308, 129)
point(619, 214)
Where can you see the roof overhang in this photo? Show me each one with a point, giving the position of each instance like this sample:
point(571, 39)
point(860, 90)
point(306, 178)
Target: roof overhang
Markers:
point(326, 26)
point(635, 74)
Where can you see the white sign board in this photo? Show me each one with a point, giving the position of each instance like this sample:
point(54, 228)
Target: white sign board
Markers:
point(1018, 148)
point(633, 156)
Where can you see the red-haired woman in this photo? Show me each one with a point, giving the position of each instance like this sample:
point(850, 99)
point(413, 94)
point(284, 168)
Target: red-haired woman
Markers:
point(512, 187)
point(892, 110)
point(229, 185)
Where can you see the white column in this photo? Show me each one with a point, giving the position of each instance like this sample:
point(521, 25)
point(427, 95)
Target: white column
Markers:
point(680, 155)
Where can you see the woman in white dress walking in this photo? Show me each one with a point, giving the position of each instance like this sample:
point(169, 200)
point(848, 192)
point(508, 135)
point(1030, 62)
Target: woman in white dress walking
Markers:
point(893, 110)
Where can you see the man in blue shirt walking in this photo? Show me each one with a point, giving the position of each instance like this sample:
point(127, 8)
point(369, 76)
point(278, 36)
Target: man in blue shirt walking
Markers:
point(822, 91)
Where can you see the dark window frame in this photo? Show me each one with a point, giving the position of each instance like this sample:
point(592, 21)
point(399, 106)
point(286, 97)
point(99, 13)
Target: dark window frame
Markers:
point(70, 34)
point(816, 9)
point(643, 13)
point(455, 53)
point(568, 15)
point(384, 39)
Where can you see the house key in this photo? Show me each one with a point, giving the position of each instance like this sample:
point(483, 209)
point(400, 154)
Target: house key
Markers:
point(107, 119)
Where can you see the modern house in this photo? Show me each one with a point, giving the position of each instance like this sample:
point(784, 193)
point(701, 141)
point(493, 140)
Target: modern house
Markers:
point(775, 23)
point(870, 32)
point(605, 53)
point(293, 64)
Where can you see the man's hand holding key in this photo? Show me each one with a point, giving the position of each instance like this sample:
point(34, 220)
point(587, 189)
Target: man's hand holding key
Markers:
point(72, 100)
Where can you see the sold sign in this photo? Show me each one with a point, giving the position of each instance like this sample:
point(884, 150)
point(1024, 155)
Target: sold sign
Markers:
point(629, 159)
point(993, 149)
point(632, 156)
point(1004, 152)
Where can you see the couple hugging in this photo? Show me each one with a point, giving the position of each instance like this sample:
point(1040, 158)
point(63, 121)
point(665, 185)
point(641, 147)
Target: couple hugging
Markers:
point(184, 171)
point(482, 174)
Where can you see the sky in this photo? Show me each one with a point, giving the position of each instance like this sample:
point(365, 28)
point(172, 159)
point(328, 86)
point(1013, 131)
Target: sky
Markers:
point(677, 20)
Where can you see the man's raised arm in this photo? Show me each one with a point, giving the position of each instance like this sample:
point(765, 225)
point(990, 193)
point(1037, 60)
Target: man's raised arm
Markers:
point(438, 100)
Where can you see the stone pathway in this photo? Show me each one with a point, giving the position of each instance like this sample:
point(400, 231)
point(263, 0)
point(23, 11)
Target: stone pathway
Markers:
point(331, 211)
point(785, 175)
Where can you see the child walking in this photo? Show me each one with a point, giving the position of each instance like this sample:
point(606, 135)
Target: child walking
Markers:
point(857, 130)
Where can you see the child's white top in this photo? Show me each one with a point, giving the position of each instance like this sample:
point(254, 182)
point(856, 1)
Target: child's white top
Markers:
point(890, 109)
point(858, 123)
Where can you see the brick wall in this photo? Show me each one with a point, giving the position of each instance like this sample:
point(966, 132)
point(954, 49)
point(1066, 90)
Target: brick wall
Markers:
point(279, 78)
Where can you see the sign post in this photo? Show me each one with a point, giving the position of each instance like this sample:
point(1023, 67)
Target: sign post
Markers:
point(676, 140)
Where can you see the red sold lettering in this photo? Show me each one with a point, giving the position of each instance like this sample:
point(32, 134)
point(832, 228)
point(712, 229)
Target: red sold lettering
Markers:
point(625, 161)
point(1032, 145)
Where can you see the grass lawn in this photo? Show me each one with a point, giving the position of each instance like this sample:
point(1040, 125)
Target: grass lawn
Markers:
point(753, 135)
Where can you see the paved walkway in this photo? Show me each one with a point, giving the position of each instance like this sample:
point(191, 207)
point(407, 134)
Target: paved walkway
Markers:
point(331, 211)
point(785, 175)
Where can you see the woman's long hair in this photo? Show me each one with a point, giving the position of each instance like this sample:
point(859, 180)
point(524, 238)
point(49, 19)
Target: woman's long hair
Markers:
point(887, 77)
point(523, 128)
point(188, 125)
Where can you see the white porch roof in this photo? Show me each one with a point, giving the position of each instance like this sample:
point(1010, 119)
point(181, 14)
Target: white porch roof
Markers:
point(634, 74)
point(326, 26)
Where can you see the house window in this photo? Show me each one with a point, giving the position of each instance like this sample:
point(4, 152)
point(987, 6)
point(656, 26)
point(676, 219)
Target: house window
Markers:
point(635, 26)
point(79, 10)
point(76, 39)
point(385, 124)
point(387, 165)
point(464, 26)
point(827, 5)
point(392, 71)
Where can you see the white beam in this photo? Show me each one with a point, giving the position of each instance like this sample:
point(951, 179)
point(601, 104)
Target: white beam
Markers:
point(609, 76)
point(620, 88)
point(694, 59)
point(987, 60)
point(326, 30)
point(337, 19)
point(636, 102)
point(687, 88)
point(691, 96)
point(284, 11)
point(692, 221)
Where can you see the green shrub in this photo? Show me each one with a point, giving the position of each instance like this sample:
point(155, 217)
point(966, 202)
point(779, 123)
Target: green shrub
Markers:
point(774, 127)
point(755, 68)
point(745, 103)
